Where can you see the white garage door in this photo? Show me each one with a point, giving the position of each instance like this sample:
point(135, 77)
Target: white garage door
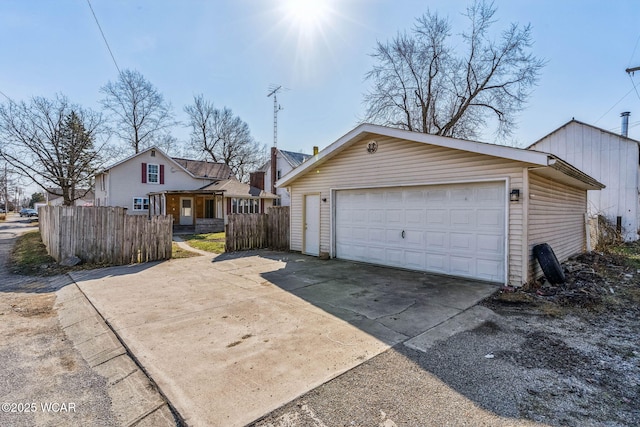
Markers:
point(456, 229)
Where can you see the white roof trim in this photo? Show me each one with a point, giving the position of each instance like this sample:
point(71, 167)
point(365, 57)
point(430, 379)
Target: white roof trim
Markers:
point(511, 153)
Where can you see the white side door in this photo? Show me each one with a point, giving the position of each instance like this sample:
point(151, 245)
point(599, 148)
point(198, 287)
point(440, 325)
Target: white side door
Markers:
point(312, 224)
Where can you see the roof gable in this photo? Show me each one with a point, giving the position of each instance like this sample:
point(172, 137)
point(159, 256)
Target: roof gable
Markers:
point(574, 122)
point(367, 130)
point(370, 131)
point(193, 168)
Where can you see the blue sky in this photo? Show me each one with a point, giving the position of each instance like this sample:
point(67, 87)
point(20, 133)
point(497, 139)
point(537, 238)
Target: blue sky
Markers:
point(232, 51)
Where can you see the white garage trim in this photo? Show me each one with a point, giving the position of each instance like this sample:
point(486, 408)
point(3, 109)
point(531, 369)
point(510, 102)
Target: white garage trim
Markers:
point(504, 183)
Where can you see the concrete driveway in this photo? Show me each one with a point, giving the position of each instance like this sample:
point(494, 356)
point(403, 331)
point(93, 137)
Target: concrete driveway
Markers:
point(229, 340)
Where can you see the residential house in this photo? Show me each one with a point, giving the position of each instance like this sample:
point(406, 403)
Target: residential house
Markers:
point(198, 194)
point(443, 205)
point(53, 197)
point(285, 162)
point(611, 159)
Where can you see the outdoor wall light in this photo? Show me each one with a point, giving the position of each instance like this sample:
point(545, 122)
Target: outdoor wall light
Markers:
point(515, 195)
point(324, 199)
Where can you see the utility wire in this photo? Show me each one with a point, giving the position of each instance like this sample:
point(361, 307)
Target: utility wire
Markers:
point(6, 96)
point(634, 86)
point(104, 37)
point(614, 105)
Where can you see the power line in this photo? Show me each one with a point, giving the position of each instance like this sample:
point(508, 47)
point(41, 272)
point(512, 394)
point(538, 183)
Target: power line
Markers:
point(613, 106)
point(6, 96)
point(634, 86)
point(104, 37)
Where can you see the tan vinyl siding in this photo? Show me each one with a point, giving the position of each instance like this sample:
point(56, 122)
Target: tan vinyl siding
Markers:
point(399, 162)
point(556, 217)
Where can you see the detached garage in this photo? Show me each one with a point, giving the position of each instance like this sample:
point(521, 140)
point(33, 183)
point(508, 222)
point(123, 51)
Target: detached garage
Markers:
point(423, 202)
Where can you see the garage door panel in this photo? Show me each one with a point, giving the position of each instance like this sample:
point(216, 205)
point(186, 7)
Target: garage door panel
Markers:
point(490, 195)
point(377, 235)
point(437, 263)
point(376, 216)
point(414, 238)
point(490, 244)
point(437, 217)
point(377, 254)
point(489, 269)
point(395, 217)
point(360, 234)
point(414, 217)
point(462, 242)
point(489, 218)
point(461, 218)
point(456, 229)
point(436, 240)
point(414, 260)
point(394, 256)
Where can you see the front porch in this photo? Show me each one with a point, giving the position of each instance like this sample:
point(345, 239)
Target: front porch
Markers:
point(200, 211)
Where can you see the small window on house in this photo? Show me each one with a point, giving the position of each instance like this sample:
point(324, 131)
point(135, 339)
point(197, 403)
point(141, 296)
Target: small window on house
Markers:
point(140, 204)
point(153, 153)
point(153, 174)
point(279, 174)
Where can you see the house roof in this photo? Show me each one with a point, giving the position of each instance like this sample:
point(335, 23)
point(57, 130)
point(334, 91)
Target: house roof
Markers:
point(556, 168)
point(235, 188)
point(294, 159)
point(204, 169)
point(195, 168)
point(578, 122)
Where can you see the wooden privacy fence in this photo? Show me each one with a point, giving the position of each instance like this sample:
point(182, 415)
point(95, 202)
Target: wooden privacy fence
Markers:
point(105, 235)
point(258, 231)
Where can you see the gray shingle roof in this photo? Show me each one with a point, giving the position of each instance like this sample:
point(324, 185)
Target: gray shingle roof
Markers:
point(205, 169)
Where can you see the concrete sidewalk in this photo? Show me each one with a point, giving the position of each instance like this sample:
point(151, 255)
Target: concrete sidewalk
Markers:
point(230, 339)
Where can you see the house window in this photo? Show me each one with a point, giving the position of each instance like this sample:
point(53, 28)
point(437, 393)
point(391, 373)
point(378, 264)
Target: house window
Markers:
point(279, 174)
point(245, 205)
point(140, 204)
point(153, 174)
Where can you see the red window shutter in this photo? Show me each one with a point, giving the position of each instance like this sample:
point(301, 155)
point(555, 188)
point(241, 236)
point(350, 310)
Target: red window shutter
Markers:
point(228, 205)
point(261, 206)
point(161, 174)
point(144, 173)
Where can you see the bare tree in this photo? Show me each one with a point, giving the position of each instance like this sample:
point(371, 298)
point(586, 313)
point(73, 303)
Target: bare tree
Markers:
point(422, 84)
point(138, 110)
point(54, 143)
point(223, 137)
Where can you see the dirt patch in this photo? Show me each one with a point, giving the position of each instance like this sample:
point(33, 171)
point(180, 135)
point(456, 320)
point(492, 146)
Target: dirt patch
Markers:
point(578, 342)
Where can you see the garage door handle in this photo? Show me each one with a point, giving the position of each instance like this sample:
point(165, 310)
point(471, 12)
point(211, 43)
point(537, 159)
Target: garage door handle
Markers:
point(403, 234)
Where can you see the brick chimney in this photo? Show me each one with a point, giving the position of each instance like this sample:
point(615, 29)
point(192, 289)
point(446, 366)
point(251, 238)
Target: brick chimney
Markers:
point(256, 179)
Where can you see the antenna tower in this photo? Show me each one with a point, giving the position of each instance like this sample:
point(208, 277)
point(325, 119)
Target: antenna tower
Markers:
point(276, 107)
